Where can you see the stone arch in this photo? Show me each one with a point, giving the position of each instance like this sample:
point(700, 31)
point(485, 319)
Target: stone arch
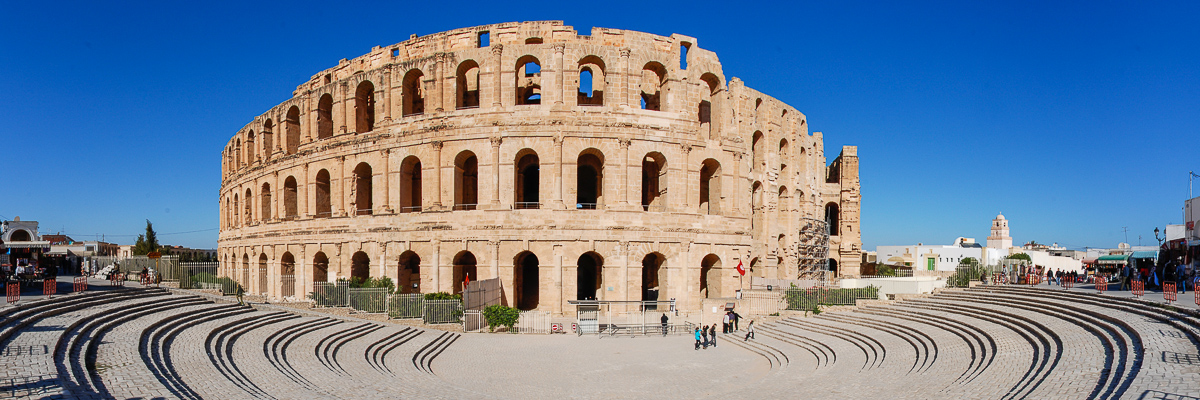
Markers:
point(413, 97)
point(320, 267)
point(833, 265)
point(589, 276)
point(265, 202)
point(234, 213)
point(325, 116)
point(408, 276)
point(784, 196)
point(237, 151)
point(756, 269)
point(527, 180)
point(467, 85)
point(360, 267)
point(756, 209)
point(832, 217)
point(591, 89)
point(262, 273)
point(589, 189)
point(783, 149)
point(290, 197)
point(322, 196)
point(529, 80)
point(654, 78)
point(363, 203)
point(364, 107)
point(268, 138)
point(465, 266)
point(654, 182)
point(526, 281)
point(654, 277)
point(292, 130)
point(287, 275)
point(704, 110)
point(710, 277)
point(466, 181)
point(248, 208)
point(410, 185)
point(251, 153)
point(20, 235)
point(710, 187)
point(758, 151)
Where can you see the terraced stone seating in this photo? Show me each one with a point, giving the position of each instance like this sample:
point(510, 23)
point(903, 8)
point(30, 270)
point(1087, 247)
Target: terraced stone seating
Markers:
point(150, 343)
point(987, 342)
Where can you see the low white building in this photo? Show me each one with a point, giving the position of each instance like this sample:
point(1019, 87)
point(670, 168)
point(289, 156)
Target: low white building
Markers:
point(999, 246)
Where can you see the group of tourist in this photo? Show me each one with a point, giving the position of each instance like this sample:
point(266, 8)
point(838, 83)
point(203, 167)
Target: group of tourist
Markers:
point(707, 336)
point(1174, 270)
point(1057, 276)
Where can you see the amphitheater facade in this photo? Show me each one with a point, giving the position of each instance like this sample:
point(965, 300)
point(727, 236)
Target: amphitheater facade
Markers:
point(619, 165)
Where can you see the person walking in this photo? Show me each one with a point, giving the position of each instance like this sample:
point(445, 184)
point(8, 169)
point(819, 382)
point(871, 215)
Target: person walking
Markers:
point(724, 323)
point(1181, 277)
point(749, 331)
point(240, 292)
point(736, 317)
point(704, 335)
point(714, 335)
point(697, 338)
point(664, 324)
point(1126, 276)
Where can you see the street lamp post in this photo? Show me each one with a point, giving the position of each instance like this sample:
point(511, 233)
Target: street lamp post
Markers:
point(1156, 232)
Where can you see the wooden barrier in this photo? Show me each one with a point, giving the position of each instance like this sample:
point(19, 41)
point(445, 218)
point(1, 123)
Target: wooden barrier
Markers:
point(81, 283)
point(14, 292)
point(1101, 283)
point(49, 287)
point(1068, 283)
point(1169, 293)
point(1139, 288)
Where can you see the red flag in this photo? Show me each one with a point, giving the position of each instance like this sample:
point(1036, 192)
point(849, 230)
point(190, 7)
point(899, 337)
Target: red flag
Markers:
point(740, 269)
point(466, 279)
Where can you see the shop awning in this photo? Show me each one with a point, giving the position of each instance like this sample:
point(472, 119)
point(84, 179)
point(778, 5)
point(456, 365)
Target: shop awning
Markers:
point(45, 244)
point(1089, 260)
point(1113, 259)
point(1145, 254)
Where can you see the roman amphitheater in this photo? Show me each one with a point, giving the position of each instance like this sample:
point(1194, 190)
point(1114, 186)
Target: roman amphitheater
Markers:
point(618, 165)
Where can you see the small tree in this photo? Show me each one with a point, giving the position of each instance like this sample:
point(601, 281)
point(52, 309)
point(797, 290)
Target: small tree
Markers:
point(499, 315)
point(1021, 256)
point(147, 242)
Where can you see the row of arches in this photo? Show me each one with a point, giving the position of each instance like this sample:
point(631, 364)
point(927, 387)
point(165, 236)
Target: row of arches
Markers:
point(526, 275)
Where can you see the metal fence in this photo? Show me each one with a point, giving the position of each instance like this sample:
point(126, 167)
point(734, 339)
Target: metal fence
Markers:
point(406, 306)
point(368, 300)
point(287, 285)
point(532, 322)
point(330, 294)
point(779, 284)
point(761, 302)
point(262, 279)
point(443, 312)
point(473, 321)
point(807, 299)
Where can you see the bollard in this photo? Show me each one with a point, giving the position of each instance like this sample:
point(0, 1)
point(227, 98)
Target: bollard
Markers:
point(1067, 283)
point(1101, 284)
point(80, 283)
point(1169, 293)
point(1139, 288)
point(49, 287)
point(14, 292)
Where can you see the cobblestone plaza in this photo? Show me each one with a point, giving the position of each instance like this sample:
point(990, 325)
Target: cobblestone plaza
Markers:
point(983, 342)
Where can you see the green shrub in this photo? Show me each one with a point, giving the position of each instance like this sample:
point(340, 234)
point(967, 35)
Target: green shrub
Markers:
point(442, 296)
point(498, 315)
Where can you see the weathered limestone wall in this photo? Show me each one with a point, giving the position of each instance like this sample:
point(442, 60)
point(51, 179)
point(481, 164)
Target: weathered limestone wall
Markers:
point(388, 155)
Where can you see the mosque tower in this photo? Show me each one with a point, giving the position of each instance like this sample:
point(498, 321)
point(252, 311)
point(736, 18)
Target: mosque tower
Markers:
point(999, 238)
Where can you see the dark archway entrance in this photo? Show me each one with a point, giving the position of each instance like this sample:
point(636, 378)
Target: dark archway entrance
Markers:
point(464, 268)
point(654, 277)
point(588, 277)
point(526, 281)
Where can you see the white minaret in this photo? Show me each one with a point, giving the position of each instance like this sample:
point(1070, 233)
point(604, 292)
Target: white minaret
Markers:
point(999, 238)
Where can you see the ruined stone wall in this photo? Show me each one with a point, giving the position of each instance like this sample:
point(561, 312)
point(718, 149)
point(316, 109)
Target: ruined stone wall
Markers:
point(417, 158)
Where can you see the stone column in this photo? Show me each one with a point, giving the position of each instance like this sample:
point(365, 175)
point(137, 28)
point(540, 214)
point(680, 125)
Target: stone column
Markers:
point(558, 279)
point(624, 90)
point(685, 151)
point(386, 93)
point(437, 175)
point(437, 265)
point(496, 166)
point(559, 175)
point(739, 183)
point(494, 245)
point(625, 193)
point(560, 74)
point(497, 76)
point(339, 201)
point(386, 206)
point(339, 109)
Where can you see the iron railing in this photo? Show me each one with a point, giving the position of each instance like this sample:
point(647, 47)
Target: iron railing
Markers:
point(807, 299)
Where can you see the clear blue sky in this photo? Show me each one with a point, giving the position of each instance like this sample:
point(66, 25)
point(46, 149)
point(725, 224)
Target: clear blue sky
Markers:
point(1075, 119)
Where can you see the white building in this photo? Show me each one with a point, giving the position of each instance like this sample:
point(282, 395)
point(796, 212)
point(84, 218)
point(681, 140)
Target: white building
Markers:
point(999, 246)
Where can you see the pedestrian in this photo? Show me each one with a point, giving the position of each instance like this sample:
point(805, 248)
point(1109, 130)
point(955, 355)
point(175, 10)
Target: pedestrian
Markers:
point(697, 338)
point(704, 334)
point(1049, 277)
point(749, 331)
point(1126, 275)
point(736, 317)
point(1181, 277)
point(724, 323)
point(714, 335)
point(664, 324)
point(240, 292)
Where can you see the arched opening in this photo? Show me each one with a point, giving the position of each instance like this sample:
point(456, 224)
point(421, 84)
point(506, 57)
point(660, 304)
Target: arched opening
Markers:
point(589, 277)
point(238, 152)
point(234, 212)
point(833, 266)
point(360, 267)
point(268, 138)
point(287, 275)
point(590, 180)
point(410, 185)
point(324, 207)
point(248, 208)
point(783, 150)
point(529, 81)
point(325, 117)
point(654, 182)
point(292, 130)
point(320, 267)
point(832, 217)
point(364, 107)
point(464, 268)
point(527, 193)
point(265, 201)
point(710, 277)
point(414, 97)
point(526, 281)
point(755, 269)
point(757, 150)
point(245, 282)
point(467, 86)
point(756, 207)
point(654, 277)
point(362, 190)
point(409, 276)
point(227, 216)
point(591, 82)
point(710, 187)
point(251, 154)
point(466, 181)
point(262, 273)
point(784, 200)
point(704, 111)
point(20, 235)
point(290, 210)
point(654, 76)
